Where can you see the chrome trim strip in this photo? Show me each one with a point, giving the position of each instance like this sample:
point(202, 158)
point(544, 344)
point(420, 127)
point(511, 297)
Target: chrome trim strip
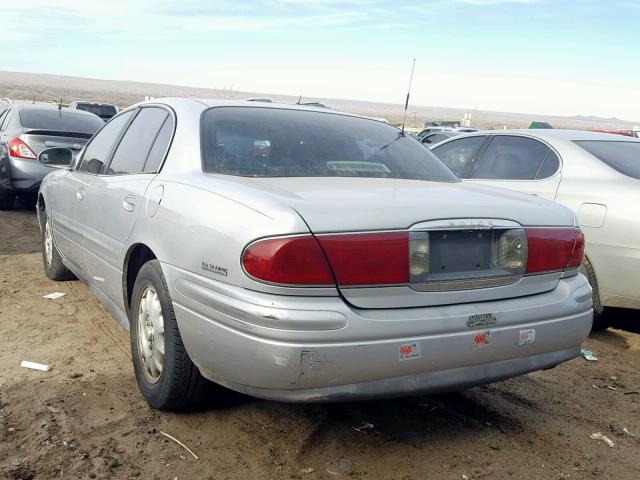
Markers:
point(465, 224)
point(464, 284)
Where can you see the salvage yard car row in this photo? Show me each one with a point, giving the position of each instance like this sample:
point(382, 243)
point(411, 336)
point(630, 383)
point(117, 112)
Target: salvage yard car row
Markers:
point(301, 254)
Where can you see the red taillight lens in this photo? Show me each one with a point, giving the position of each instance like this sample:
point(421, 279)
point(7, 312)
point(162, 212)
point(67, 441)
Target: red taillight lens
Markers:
point(368, 258)
point(553, 249)
point(287, 261)
point(19, 149)
point(578, 251)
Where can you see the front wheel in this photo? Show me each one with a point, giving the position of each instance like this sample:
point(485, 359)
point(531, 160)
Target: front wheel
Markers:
point(167, 377)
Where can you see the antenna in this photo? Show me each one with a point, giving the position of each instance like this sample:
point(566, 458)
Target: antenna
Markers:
point(60, 105)
point(406, 103)
point(299, 98)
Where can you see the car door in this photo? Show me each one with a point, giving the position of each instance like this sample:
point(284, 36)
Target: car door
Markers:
point(118, 195)
point(72, 190)
point(519, 163)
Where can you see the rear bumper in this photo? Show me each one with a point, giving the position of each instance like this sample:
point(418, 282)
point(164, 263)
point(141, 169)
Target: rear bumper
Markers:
point(424, 383)
point(26, 175)
point(312, 349)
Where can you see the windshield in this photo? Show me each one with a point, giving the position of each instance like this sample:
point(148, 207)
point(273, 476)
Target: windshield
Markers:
point(621, 156)
point(105, 111)
point(60, 121)
point(270, 142)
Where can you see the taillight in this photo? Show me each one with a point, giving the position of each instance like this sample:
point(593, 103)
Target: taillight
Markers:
point(368, 258)
point(578, 251)
point(288, 261)
point(553, 249)
point(19, 149)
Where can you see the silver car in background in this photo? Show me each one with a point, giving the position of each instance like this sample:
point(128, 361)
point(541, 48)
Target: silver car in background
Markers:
point(596, 175)
point(299, 254)
point(26, 129)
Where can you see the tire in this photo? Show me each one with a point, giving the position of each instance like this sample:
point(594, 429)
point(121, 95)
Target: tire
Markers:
point(600, 320)
point(170, 381)
point(51, 259)
point(6, 199)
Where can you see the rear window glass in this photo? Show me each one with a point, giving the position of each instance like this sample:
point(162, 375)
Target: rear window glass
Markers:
point(269, 142)
point(102, 110)
point(60, 120)
point(621, 156)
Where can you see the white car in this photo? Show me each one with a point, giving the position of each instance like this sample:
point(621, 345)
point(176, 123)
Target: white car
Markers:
point(597, 175)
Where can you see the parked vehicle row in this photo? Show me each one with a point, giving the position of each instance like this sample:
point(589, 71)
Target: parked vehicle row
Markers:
point(596, 175)
point(301, 254)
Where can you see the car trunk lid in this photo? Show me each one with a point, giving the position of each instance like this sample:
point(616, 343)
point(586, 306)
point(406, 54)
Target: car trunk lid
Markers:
point(461, 221)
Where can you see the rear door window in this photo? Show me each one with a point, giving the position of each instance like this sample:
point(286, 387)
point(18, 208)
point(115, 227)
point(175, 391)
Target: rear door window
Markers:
point(549, 167)
point(435, 138)
point(621, 156)
point(461, 155)
point(3, 119)
point(160, 146)
point(511, 158)
point(98, 149)
point(131, 154)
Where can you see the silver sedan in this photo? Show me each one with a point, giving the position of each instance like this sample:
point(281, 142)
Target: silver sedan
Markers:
point(596, 175)
point(300, 254)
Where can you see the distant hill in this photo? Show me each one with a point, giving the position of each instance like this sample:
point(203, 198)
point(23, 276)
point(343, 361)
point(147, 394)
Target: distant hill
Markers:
point(26, 86)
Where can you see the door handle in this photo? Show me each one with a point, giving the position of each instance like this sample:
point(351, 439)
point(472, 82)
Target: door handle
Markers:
point(129, 203)
point(80, 194)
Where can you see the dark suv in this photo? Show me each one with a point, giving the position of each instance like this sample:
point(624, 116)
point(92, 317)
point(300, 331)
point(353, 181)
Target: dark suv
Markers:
point(104, 110)
point(28, 128)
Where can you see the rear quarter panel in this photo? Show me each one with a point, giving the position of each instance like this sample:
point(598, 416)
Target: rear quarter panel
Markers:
point(203, 232)
point(612, 242)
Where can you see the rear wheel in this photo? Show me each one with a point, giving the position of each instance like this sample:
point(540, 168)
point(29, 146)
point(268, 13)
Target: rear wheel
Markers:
point(600, 320)
point(51, 259)
point(167, 377)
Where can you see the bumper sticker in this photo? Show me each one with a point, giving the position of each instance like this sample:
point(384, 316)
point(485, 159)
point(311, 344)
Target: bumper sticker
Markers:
point(527, 336)
point(481, 339)
point(410, 351)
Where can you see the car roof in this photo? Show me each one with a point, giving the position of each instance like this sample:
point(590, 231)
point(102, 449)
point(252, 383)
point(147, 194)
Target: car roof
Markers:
point(559, 134)
point(179, 102)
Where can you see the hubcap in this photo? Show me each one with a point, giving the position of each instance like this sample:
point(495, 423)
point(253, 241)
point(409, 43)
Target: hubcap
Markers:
point(151, 334)
point(48, 244)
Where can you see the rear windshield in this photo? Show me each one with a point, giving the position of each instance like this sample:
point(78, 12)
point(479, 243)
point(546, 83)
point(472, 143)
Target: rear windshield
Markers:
point(269, 142)
point(102, 110)
point(621, 156)
point(60, 121)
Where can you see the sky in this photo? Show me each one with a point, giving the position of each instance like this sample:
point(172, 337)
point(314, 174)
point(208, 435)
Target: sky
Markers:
point(565, 57)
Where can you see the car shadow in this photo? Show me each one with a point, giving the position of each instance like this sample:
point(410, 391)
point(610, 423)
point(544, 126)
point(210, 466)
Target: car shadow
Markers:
point(411, 420)
point(625, 319)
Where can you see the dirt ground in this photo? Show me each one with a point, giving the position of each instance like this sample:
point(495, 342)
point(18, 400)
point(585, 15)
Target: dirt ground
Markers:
point(86, 419)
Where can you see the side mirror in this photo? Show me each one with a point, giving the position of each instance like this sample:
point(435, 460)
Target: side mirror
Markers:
point(58, 157)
